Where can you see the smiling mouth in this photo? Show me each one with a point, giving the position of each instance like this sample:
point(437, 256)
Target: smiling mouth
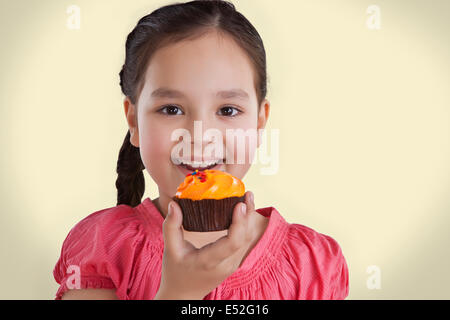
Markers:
point(200, 167)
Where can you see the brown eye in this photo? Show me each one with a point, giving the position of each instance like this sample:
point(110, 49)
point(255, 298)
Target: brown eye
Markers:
point(229, 111)
point(170, 110)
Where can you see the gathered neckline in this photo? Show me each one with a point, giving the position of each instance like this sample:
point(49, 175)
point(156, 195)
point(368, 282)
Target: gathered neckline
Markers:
point(262, 255)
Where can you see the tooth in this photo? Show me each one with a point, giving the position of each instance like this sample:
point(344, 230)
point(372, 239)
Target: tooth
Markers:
point(196, 164)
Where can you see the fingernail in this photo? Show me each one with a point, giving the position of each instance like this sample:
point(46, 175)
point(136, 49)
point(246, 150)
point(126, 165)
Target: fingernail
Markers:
point(251, 197)
point(170, 209)
point(243, 209)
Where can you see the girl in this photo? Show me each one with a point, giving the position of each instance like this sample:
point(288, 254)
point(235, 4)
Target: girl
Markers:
point(186, 62)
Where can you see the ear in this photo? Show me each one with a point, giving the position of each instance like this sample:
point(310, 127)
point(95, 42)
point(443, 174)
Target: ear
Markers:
point(131, 115)
point(263, 116)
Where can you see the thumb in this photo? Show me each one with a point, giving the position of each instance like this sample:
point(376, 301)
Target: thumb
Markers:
point(172, 231)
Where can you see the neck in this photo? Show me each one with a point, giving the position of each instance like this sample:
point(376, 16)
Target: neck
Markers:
point(162, 204)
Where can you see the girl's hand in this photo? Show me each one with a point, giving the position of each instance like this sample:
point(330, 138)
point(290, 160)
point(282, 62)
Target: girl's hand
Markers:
point(191, 273)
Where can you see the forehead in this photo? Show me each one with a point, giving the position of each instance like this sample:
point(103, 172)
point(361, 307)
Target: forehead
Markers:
point(210, 63)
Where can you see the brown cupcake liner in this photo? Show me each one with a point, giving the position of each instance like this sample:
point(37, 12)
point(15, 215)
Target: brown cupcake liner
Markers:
point(207, 214)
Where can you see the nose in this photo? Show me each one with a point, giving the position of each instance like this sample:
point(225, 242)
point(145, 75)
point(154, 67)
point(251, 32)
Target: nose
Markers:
point(204, 136)
point(199, 122)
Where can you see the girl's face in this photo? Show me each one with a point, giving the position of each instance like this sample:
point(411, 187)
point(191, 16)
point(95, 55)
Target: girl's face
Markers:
point(193, 81)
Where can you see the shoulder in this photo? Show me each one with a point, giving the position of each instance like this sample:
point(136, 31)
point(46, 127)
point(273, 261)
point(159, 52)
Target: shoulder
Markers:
point(102, 236)
point(319, 258)
point(103, 225)
point(304, 238)
point(102, 248)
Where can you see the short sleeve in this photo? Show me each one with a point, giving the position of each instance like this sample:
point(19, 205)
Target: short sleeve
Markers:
point(92, 255)
point(319, 263)
point(339, 280)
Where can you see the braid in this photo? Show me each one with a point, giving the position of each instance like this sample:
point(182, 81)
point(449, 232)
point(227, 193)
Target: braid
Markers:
point(130, 182)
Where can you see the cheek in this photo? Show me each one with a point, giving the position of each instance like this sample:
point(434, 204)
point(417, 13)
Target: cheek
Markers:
point(155, 147)
point(243, 142)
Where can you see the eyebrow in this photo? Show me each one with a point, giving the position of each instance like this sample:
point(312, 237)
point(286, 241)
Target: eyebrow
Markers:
point(224, 94)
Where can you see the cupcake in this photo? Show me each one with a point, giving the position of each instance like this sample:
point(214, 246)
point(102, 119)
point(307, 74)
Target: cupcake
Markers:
point(207, 199)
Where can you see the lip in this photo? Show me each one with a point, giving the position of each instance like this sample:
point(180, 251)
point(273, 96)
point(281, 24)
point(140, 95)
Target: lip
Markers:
point(185, 171)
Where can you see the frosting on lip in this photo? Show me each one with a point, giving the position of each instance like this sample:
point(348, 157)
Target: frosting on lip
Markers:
point(210, 184)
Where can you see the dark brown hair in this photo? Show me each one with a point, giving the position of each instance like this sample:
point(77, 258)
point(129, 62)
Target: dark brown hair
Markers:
point(166, 25)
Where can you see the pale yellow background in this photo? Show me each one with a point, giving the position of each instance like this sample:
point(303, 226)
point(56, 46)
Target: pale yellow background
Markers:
point(363, 117)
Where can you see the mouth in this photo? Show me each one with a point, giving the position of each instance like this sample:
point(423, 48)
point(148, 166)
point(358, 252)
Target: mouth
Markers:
point(187, 167)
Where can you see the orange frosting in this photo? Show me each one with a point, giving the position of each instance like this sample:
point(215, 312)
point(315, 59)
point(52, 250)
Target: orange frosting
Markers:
point(210, 184)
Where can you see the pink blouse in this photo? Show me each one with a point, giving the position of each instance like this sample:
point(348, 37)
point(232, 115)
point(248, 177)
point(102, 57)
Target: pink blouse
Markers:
point(121, 248)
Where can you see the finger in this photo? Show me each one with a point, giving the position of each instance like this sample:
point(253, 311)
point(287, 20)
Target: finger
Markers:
point(250, 201)
point(172, 231)
point(221, 249)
